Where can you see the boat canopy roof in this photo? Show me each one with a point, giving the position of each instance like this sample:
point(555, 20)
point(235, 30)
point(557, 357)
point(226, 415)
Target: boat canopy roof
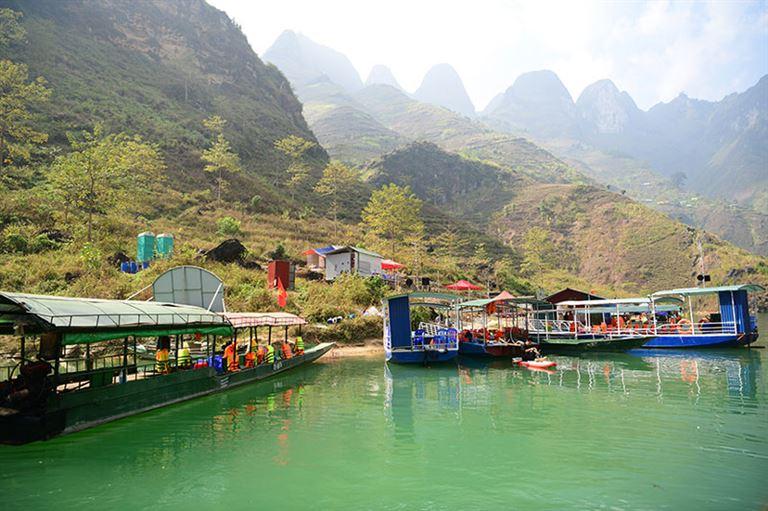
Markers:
point(429, 299)
point(482, 302)
point(256, 319)
point(88, 320)
point(608, 301)
point(624, 308)
point(688, 291)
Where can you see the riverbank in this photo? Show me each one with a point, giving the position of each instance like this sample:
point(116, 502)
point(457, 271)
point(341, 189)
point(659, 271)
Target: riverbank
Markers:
point(367, 348)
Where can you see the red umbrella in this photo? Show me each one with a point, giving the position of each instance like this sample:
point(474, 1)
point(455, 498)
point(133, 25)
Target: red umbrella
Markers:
point(389, 264)
point(504, 295)
point(463, 285)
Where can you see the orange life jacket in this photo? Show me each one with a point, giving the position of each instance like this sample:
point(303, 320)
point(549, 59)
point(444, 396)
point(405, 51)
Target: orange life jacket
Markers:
point(261, 351)
point(231, 355)
point(286, 349)
point(250, 359)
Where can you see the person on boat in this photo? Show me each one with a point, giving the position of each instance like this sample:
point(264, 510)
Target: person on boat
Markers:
point(162, 354)
point(230, 353)
point(185, 358)
point(270, 354)
point(250, 358)
point(261, 353)
point(285, 351)
point(299, 346)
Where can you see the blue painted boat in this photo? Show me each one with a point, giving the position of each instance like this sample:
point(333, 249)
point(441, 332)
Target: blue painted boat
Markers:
point(731, 326)
point(431, 342)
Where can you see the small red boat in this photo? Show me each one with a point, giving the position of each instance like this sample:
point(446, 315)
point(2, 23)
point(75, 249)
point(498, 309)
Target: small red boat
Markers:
point(538, 364)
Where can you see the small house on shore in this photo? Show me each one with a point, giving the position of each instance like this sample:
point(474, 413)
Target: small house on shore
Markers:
point(316, 257)
point(352, 260)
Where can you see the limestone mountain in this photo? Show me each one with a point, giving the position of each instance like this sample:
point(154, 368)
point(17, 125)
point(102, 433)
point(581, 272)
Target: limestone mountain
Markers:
point(157, 69)
point(606, 110)
point(537, 104)
point(442, 86)
point(304, 61)
point(382, 75)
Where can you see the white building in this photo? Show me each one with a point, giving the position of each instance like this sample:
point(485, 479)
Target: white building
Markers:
point(352, 260)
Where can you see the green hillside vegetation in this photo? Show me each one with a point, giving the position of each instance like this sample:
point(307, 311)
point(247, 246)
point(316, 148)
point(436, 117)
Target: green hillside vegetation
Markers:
point(144, 97)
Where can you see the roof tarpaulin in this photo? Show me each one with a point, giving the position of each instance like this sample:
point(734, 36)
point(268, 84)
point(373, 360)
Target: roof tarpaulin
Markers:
point(256, 319)
point(94, 319)
point(389, 264)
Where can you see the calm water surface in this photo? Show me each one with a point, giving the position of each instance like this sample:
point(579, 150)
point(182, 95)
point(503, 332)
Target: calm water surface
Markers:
point(648, 431)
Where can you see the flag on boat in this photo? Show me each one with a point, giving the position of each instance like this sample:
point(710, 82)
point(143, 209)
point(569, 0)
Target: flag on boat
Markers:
point(282, 294)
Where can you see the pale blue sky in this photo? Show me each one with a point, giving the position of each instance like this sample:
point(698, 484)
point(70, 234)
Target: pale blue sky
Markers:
point(653, 50)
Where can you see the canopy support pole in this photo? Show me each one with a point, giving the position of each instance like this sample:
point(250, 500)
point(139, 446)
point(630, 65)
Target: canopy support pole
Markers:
point(124, 377)
point(286, 333)
point(23, 350)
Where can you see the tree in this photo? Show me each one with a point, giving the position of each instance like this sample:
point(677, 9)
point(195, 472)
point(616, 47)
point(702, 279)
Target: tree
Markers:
point(338, 180)
point(220, 157)
point(103, 173)
point(17, 96)
point(10, 29)
point(539, 251)
point(392, 214)
point(295, 148)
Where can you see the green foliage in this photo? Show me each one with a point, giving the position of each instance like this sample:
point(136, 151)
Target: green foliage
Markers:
point(22, 239)
point(538, 251)
point(220, 158)
point(90, 255)
point(103, 173)
point(11, 30)
point(279, 253)
point(337, 180)
point(295, 148)
point(393, 214)
point(346, 295)
point(228, 226)
point(506, 279)
point(348, 331)
point(18, 98)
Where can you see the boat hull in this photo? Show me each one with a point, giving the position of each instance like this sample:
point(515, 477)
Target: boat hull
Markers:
point(423, 357)
point(75, 411)
point(701, 341)
point(605, 344)
point(479, 349)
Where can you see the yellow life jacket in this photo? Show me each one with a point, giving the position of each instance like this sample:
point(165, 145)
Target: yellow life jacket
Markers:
point(270, 354)
point(299, 345)
point(184, 357)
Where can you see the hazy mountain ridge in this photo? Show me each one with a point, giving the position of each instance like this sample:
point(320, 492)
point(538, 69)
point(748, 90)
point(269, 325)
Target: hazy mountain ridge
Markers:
point(443, 86)
point(718, 145)
point(382, 75)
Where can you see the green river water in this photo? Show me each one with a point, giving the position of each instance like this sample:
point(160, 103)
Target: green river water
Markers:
point(667, 430)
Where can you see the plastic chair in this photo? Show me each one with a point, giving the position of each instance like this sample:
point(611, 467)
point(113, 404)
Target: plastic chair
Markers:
point(418, 338)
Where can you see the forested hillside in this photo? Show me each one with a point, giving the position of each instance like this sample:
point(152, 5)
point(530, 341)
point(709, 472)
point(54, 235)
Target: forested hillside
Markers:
point(158, 115)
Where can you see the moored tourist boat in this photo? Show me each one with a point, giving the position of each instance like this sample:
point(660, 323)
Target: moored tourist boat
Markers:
point(714, 317)
point(431, 341)
point(78, 364)
point(586, 325)
point(488, 328)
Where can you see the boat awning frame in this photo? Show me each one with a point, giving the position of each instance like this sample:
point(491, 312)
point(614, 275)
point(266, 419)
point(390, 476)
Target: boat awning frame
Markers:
point(691, 291)
point(89, 320)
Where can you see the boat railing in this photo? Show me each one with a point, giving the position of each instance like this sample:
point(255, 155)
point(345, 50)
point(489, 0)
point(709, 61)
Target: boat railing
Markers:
point(432, 336)
point(701, 328)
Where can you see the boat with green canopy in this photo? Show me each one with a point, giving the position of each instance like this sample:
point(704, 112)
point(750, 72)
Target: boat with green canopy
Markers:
point(78, 364)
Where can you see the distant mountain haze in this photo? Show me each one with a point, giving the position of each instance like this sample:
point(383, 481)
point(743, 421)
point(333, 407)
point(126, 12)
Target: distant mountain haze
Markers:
point(303, 61)
point(537, 103)
point(442, 86)
point(720, 146)
point(382, 75)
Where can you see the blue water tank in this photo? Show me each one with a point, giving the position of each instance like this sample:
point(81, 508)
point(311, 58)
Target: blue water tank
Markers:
point(134, 268)
point(125, 267)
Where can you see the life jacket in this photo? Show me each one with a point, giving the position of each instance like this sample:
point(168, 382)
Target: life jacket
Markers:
point(250, 359)
point(185, 359)
point(299, 345)
point(270, 354)
point(161, 361)
point(261, 351)
point(230, 353)
point(286, 351)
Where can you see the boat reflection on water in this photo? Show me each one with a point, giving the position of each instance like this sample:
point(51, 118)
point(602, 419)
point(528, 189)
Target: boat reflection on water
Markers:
point(733, 371)
point(409, 392)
